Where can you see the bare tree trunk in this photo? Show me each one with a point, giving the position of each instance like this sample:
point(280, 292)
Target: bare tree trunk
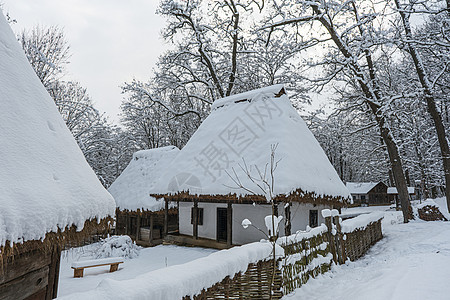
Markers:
point(372, 99)
point(234, 51)
point(391, 179)
point(397, 170)
point(372, 95)
point(431, 103)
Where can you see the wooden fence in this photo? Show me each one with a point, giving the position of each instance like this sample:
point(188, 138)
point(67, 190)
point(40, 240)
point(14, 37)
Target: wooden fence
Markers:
point(253, 284)
point(307, 254)
point(308, 257)
point(357, 243)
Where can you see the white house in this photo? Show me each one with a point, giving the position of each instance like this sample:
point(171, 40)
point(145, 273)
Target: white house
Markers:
point(239, 132)
point(137, 211)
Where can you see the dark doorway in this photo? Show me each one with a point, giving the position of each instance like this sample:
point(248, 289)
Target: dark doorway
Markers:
point(221, 224)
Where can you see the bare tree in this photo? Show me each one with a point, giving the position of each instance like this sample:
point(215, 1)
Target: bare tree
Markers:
point(47, 51)
point(264, 183)
point(351, 33)
point(215, 53)
point(352, 144)
point(105, 147)
point(405, 10)
point(152, 123)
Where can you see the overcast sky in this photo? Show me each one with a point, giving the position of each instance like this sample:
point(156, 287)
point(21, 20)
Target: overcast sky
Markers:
point(112, 41)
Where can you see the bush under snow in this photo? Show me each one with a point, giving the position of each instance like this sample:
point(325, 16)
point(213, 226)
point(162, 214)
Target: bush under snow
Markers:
point(117, 246)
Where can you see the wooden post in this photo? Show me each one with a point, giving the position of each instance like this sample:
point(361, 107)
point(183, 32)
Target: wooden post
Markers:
point(128, 226)
point(330, 237)
point(53, 275)
point(78, 273)
point(339, 240)
point(178, 215)
point(113, 267)
point(195, 220)
point(138, 225)
point(287, 222)
point(118, 223)
point(229, 224)
point(166, 217)
point(151, 229)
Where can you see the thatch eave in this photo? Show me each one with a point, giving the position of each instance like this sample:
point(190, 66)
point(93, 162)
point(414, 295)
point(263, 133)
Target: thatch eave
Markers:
point(144, 212)
point(61, 238)
point(296, 196)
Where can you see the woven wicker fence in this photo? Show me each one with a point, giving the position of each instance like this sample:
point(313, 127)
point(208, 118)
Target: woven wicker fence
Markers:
point(253, 284)
point(359, 241)
point(305, 258)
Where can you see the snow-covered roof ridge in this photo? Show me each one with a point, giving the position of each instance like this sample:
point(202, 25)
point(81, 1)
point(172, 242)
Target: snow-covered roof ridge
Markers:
point(131, 189)
point(249, 95)
point(45, 181)
point(155, 152)
point(360, 187)
point(246, 130)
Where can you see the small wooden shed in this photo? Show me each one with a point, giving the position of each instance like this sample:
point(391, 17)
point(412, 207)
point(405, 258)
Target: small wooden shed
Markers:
point(240, 131)
point(144, 218)
point(392, 194)
point(49, 196)
point(368, 193)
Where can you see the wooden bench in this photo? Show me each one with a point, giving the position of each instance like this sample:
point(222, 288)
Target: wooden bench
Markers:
point(79, 266)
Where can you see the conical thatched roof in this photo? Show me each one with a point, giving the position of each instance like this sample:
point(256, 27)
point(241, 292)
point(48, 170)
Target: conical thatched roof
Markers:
point(45, 181)
point(243, 128)
point(131, 189)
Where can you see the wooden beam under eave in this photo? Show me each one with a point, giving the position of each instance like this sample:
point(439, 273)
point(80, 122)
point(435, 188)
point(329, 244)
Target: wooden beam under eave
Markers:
point(166, 217)
point(195, 220)
point(229, 224)
point(287, 222)
point(138, 226)
point(53, 276)
point(150, 238)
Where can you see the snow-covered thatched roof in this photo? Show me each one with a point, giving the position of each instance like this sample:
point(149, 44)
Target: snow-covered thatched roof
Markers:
point(243, 128)
point(45, 181)
point(360, 187)
point(131, 189)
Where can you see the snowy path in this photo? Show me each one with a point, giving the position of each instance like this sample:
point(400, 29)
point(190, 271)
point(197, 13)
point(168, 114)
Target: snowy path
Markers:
point(149, 259)
point(365, 210)
point(412, 261)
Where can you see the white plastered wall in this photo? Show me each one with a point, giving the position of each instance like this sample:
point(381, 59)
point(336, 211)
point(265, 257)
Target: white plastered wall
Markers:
point(208, 229)
point(255, 213)
point(300, 215)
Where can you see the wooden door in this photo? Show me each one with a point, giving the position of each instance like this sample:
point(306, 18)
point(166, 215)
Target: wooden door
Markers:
point(221, 224)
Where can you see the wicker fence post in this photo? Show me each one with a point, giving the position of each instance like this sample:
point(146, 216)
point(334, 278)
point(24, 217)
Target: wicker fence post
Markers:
point(340, 240)
point(329, 225)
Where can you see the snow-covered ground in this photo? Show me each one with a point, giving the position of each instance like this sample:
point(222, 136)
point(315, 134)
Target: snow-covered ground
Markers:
point(412, 261)
point(149, 259)
point(353, 211)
